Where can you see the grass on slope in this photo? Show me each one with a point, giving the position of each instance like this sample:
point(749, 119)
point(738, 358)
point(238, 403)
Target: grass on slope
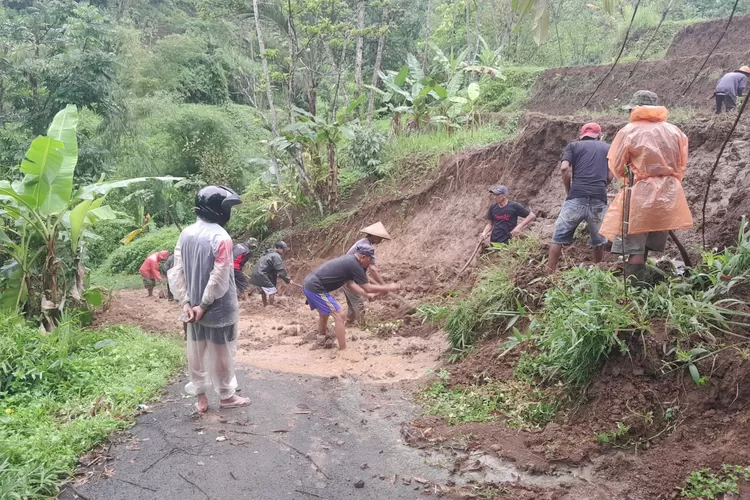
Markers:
point(61, 394)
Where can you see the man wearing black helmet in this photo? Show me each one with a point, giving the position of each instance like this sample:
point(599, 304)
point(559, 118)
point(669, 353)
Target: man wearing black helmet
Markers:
point(202, 280)
point(268, 270)
point(350, 270)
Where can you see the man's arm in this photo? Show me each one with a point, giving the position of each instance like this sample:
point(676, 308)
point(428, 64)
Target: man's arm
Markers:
point(363, 290)
point(567, 175)
point(525, 222)
point(278, 266)
point(487, 229)
point(218, 280)
point(177, 283)
point(375, 275)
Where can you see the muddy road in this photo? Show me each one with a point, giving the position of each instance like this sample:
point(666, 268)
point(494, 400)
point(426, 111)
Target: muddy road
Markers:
point(284, 337)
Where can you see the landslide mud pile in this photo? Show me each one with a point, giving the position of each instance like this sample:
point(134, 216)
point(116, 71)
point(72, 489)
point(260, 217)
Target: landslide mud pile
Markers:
point(562, 91)
point(436, 227)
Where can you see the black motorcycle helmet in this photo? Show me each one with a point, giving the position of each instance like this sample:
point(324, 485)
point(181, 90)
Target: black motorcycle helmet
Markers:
point(214, 204)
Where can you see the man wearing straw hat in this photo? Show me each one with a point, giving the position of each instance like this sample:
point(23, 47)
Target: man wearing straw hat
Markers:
point(374, 234)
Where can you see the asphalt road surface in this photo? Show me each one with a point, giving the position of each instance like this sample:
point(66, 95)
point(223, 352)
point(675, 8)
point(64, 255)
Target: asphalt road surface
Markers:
point(302, 438)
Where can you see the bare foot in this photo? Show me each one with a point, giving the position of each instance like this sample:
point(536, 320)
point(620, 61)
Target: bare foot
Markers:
point(234, 402)
point(202, 405)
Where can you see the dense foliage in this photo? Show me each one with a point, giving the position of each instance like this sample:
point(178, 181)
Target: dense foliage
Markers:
point(276, 97)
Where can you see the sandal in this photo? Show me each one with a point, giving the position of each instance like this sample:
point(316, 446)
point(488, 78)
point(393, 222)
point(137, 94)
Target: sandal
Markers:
point(237, 404)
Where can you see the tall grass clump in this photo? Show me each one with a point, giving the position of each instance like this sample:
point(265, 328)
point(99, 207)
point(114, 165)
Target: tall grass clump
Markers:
point(582, 319)
point(493, 306)
point(62, 393)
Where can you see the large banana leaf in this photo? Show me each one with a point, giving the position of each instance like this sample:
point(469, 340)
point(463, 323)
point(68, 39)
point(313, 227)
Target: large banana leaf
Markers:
point(93, 191)
point(78, 217)
point(42, 166)
point(50, 163)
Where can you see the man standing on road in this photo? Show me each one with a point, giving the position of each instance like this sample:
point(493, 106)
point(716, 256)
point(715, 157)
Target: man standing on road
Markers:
point(150, 270)
point(374, 235)
point(649, 156)
point(730, 87)
point(202, 280)
point(502, 217)
point(348, 270)
point(585, 176)
point(268, 270)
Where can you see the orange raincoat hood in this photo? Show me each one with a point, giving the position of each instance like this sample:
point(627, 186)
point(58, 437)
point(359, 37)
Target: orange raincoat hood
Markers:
point(656, 152)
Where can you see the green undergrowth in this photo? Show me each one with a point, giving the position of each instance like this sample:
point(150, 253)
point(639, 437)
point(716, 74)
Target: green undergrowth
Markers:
point(709, 485)
point(521, 405)
point(494, 304)
point(102, 279)
point(587, 314)
point(62, 393)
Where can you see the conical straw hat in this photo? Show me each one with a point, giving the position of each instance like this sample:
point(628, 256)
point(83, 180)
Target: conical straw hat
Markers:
point(377, 229)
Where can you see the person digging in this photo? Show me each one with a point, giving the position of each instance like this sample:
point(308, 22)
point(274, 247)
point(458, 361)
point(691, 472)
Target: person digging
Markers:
point(150, 270)
point(649, 156)
point(268, 270)
point(374, 235)
point(502, 217)
point(240, 254)
point(348, 270)
point(585, 176)
point(729, 88)
point(202, 280)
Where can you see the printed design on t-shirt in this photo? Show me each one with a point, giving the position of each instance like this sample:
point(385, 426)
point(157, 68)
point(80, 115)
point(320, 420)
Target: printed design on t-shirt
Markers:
point(502, 217)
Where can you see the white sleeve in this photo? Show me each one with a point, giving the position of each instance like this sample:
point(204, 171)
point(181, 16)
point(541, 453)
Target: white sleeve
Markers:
point(218, 281)
point(176, 276)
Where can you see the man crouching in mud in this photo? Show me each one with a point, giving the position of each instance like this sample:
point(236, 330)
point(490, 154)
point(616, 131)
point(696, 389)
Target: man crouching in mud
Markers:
point(350, 270)
point(202, 280)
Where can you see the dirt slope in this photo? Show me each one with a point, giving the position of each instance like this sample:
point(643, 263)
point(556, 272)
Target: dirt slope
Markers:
point(436, 227)
point(700, 38)
point(562, 91)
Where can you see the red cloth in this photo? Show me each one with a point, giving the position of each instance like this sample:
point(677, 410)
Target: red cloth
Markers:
point(238, 261)
point(150, 267)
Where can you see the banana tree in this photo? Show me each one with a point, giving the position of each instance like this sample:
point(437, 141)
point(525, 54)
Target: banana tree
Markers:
point(314, 132)
point(45, 219)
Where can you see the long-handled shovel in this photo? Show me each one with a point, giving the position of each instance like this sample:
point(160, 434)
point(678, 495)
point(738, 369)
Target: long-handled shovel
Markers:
point(471, 259)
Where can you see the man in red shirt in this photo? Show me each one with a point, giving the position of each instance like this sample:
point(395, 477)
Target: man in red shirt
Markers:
point(150, 270)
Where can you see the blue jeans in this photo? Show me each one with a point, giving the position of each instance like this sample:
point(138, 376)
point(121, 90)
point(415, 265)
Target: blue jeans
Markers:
point(578, 210)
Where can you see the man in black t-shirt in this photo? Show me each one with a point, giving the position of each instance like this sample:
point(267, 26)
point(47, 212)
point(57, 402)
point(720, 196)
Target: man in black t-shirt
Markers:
point(585, 173)
point(350, 270)
point(503, 215)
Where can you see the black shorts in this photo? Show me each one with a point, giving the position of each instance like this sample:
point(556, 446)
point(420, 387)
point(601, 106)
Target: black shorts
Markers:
point(214, 334)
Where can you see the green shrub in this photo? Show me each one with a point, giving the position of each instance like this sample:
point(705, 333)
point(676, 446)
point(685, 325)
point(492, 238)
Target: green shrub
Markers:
point(365, 151)
point(127, 259)
point(508, 94)
point(109, 236)
point(61, 394)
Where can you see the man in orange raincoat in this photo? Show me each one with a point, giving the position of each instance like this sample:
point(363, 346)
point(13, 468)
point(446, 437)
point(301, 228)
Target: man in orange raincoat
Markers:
point(649, 156)
point(150, 270)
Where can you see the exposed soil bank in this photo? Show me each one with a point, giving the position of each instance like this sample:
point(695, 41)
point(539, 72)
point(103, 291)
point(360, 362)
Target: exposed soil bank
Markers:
point(562, 91)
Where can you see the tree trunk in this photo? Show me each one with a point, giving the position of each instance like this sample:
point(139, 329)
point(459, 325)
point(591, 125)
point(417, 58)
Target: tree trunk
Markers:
point(378, 61)
point(360, 46)
point(269, 90)
point(427, 33)
point(293, 56)
point(476, 32)
point(339, 70)
point(333, 178)
point(467, 25)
